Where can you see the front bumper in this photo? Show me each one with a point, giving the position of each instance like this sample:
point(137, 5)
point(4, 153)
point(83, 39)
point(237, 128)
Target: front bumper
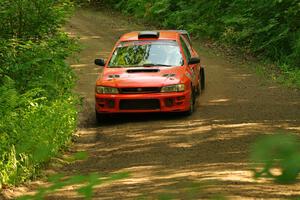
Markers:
point(142, 103)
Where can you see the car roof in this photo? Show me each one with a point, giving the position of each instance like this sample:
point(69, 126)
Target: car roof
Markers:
point(162, 35)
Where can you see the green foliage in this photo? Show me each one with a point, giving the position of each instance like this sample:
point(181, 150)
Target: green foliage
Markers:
point(37, 107)
point(39, 64)
point(31, 136)
point(85, 185)
point(279, 152)
point(32, 19)
point(87, 182)
point(289, 76)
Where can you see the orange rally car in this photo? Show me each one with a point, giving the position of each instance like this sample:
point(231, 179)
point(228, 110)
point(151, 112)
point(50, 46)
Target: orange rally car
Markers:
point(149, 71)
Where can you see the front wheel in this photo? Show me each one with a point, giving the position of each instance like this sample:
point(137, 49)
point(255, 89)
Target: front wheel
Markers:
point(192, 104)
point(99, 117)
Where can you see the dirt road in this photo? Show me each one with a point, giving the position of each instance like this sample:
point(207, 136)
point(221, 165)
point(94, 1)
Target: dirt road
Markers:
point(166, 152)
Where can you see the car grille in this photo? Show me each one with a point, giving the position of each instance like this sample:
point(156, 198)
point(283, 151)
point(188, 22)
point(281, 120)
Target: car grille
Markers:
point(140, 90)
point(140, 104)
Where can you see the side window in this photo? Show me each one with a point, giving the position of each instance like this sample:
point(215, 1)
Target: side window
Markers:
point(188, 40)
point(186, 50)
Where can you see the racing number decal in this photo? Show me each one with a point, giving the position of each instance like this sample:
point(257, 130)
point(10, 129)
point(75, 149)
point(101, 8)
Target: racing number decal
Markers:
point(190, 74)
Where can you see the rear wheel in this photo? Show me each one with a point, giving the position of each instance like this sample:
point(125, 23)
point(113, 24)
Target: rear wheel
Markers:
point(199, 86)
point(202, 74)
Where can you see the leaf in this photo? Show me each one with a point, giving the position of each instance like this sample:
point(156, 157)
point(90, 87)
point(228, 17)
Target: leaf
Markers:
point(86, 191)
point(119, 176)
point(277, 151)
point(80, 155)
point(165, 197)
point(56, 178)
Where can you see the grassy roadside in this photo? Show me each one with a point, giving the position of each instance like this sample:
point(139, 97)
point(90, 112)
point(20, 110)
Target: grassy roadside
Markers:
point(38, 109)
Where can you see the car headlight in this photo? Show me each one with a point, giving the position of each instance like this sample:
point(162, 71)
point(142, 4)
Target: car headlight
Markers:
point(173, 88)
point(106, 90)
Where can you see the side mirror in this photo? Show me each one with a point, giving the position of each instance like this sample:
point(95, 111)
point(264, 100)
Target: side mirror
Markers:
point(194, 60)
point(100, 62)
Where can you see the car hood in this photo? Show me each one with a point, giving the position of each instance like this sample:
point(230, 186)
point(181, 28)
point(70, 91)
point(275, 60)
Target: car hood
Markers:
point(141, 77)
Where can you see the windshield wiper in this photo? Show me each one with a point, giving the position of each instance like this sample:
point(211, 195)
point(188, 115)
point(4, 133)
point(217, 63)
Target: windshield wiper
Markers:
point(154, 64)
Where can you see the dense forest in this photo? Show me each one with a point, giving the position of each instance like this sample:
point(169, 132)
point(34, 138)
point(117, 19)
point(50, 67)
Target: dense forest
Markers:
point(37, 106)
point(267, 29)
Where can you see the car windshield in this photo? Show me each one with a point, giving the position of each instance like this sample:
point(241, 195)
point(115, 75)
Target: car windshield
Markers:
point(146, 53)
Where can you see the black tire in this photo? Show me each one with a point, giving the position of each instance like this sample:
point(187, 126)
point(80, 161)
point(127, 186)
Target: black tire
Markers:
point(202, 74)
point(99, 117)
point(199, 87)
point(192, 107)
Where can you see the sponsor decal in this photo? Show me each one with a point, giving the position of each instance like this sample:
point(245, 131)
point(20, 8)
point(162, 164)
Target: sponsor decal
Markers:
point(188, 75)
point(191, 75)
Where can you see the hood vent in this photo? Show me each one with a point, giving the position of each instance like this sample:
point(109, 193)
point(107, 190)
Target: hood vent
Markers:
point(169, 75)
point(114, 76)
point(142, 70)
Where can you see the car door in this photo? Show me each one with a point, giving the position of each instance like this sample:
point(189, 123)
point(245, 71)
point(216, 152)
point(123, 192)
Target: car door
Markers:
point(193, 70)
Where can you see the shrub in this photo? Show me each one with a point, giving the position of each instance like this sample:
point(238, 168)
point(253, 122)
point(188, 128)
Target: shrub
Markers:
point(32, 19)
point(38, 109)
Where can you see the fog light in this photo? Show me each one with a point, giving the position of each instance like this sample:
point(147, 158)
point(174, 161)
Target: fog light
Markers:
point(101, 105)
point(180, 98)
point(111, 103)
point(169, 102)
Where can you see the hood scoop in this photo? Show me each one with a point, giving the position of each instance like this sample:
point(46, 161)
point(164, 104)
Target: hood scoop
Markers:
point(142, 70)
